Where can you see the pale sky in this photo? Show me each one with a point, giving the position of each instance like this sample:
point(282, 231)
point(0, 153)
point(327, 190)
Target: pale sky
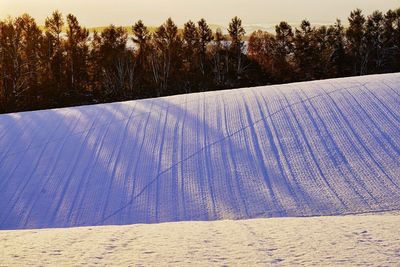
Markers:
point(153, 12)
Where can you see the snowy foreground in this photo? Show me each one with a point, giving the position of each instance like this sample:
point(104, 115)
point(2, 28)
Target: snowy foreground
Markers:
point(316, 148)
point(321, 241)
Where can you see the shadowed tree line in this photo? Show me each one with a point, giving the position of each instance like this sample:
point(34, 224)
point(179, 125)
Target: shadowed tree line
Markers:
point(62, 64)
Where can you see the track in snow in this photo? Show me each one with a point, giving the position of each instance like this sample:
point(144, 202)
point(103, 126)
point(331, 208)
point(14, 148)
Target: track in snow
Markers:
point(315, 148)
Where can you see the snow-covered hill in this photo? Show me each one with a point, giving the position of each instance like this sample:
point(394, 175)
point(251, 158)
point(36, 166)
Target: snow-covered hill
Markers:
point(314, 148)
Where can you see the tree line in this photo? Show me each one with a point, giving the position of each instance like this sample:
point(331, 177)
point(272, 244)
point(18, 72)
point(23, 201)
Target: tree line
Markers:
point(63, 64)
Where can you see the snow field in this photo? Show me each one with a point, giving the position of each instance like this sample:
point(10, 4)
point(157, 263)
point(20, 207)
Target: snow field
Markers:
point(327, 147)
point(370, 240)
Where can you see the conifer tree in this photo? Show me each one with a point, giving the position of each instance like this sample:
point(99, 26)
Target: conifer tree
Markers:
point(114, 62)
point(141, 38)
point(165, 55)
point(31, 37)
point(237, 32)
point(391, 41)
point(374, 42)
point(55, 58)
point(220, 59)
point(338, 58)
point(205, 37)
point(190, 51)
point(283, 52)
point(305, 50)
point(355, 36)
point(77, 54)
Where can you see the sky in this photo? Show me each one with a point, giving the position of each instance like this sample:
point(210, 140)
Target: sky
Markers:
point(93, 13)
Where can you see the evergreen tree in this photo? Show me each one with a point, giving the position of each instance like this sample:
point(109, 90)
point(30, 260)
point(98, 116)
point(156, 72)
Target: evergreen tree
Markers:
point(283, 52)
point(220, 59)
point(374, 42)
point(11, 62)
point(31, 37)
point(55, 58)
point(165, 60)
point(338, 58)
point(305, 49)
point(77, 55)
point(141, 38)
point(355, 36)
point(391, 41)
point(190, 51)
point(114, 62)
point(236, 33)
point(205, 37)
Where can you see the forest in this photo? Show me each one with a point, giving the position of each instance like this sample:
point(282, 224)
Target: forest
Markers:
point(62, 63)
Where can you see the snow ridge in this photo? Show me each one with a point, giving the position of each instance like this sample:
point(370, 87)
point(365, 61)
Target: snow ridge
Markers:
point(326, 147)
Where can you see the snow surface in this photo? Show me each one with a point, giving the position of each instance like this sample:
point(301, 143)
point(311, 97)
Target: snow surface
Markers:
point(317, 241)
point(315, 148)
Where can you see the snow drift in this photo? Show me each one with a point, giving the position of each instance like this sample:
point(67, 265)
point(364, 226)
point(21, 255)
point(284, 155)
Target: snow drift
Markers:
point(315, 148)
